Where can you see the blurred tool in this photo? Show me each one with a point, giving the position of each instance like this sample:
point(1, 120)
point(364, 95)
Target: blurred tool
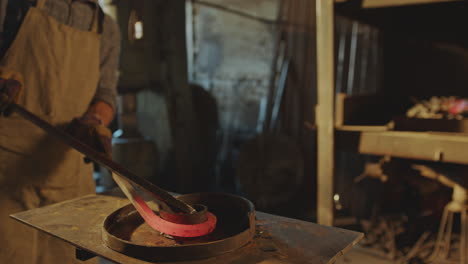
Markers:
point(458, 205)
point(374, 170)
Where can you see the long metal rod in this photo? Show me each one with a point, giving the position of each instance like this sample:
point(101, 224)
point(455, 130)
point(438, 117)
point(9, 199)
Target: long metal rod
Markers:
point(100, 158)
point(365, 58)
point(342, 27)
point(353, 59)
point(279, 95)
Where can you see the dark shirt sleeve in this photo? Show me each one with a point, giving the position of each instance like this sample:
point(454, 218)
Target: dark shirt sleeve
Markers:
point(11, 16)
point(110, 53)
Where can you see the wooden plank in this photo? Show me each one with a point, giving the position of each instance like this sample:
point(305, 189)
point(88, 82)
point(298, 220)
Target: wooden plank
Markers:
point(403, 123)
point(325, 110)
point(279, 240)
point(339, 109)
point(363, 128)
point(431, 146)
point(388, 3)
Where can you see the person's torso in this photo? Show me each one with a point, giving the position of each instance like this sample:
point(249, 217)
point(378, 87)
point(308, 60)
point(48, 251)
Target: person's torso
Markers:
point(60, 68)
point(76, 14)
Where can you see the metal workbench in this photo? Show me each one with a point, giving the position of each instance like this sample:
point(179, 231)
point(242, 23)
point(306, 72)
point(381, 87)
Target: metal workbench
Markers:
point(279, 240)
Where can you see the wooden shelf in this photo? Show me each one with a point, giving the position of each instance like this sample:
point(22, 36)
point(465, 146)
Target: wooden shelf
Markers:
point(393, 3)
point(342, 128)
point(362, 128)
point(431, 146)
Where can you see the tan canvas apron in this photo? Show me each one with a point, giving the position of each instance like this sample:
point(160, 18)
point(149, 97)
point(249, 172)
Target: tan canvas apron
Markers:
point(60, 66)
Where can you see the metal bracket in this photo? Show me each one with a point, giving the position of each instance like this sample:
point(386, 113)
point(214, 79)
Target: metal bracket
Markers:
point(84, 255)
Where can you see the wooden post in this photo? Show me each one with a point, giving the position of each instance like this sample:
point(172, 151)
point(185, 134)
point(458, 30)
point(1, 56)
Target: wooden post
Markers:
point(183, 126)
point(325, 110)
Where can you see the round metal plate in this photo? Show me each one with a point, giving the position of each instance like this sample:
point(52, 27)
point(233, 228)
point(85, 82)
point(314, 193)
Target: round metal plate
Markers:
point(126, 232)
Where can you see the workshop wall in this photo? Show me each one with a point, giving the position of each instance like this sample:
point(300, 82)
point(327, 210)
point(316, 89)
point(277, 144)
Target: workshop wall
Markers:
point(233, 48)
point(232, 57)
point(240, 49)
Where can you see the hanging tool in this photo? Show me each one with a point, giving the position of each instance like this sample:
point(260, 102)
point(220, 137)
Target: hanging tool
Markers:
point(175, 217)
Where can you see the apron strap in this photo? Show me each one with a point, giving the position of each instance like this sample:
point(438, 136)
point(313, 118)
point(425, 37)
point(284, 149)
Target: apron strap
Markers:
point(40, 4)
point(95, 25)
point(95, 28)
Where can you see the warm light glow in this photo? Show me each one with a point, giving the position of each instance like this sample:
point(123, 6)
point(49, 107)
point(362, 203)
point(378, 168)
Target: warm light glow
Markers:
point(139, 30)
point(336, 197)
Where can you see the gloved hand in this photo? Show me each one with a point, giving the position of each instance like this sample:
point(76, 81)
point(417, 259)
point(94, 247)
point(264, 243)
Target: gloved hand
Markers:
point(11, 86)
point(90, 131)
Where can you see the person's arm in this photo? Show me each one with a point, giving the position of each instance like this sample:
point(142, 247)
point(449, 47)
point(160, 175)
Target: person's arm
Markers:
point(104, 101)
point(91, 128)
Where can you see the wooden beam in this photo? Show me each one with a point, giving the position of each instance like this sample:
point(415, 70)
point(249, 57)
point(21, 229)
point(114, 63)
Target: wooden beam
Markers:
point(340, 109)
point(325, 110)
point(389, 3)
point(184, 129)
point(363, 128)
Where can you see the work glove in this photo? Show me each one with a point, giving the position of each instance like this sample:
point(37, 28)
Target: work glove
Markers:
point(90, 131)
point(11, 86)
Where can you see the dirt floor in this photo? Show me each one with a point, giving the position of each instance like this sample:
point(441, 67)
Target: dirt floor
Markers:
point(360, 256)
